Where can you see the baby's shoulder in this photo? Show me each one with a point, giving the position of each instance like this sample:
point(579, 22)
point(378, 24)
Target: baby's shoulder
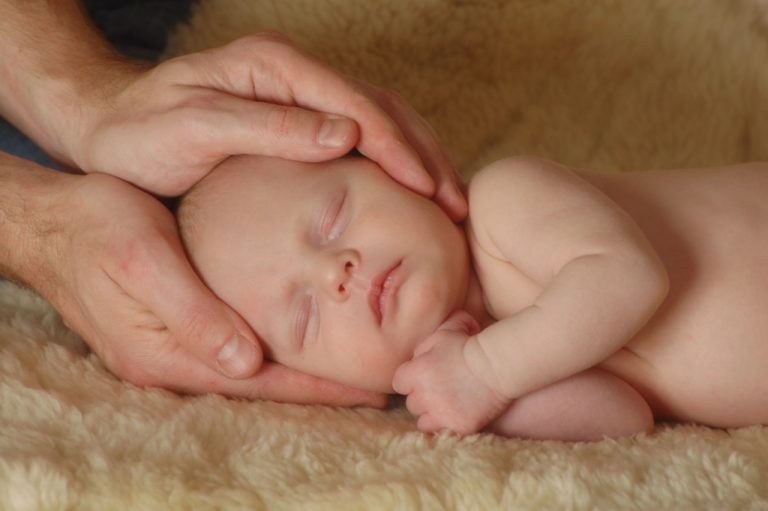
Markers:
point(494, 178)
point(505, 198)
point(513, 192)
point(524, 179)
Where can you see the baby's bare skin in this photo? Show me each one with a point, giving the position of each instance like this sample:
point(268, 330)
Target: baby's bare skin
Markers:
point(702, 355)
point(594, 302)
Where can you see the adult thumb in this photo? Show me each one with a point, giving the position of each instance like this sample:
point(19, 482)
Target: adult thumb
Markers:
point(201, 323)
point(218, 337)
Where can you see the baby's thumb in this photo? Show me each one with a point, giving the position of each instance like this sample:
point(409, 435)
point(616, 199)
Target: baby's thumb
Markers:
point(461, 321)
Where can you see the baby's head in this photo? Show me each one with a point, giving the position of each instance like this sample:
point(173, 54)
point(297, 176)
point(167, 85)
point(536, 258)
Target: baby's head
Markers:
point(339, 270)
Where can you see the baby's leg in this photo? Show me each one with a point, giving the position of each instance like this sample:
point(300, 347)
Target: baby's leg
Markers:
point(584, 407)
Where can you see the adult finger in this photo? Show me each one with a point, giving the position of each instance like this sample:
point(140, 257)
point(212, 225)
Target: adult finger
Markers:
point(273, 382)
point(436, 160)
point(390, 142)
point(286, 75)
point(383, 141)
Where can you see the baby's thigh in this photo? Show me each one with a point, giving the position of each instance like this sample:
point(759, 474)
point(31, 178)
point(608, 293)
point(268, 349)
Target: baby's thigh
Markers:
point(587, 406)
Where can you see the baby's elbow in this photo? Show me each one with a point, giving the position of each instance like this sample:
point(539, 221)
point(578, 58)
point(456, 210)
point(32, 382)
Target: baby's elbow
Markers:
point(653, 282)
point(659, 277)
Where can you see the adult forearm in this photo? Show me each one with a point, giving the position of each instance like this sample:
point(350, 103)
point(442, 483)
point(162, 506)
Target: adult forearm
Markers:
point(28, 218)
point(56, 71)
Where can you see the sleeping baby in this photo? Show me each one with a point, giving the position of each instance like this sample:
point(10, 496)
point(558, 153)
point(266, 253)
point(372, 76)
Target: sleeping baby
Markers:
point(569, 305)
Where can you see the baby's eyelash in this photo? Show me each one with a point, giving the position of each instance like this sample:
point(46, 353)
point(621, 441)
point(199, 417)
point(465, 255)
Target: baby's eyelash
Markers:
point(306, 320)
point(302, 320)
point(328, 226)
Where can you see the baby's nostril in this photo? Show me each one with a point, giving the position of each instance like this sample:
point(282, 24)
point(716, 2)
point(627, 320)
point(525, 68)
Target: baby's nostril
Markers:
point(341, 288)
point(348, 265)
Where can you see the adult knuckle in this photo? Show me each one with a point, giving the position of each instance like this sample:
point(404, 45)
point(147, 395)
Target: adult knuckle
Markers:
point(191, 127)
point(195, 322)
point(282, 121)
point(177, 68)
point(131, 258)
point(260, 41)
point(198, 103)
point(134, 257)
point(192, 116)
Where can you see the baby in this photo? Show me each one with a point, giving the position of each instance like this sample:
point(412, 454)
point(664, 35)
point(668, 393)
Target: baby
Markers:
point(570, 305)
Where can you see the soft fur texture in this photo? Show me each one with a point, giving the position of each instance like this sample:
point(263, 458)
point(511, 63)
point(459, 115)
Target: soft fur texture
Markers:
point(615, 85)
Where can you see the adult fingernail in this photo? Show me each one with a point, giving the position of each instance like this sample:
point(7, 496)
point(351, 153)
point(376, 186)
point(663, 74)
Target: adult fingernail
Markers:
point(237, 357)
point(333, 133)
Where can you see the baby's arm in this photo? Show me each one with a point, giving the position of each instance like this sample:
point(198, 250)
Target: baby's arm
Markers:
point(587, 406)
point(602, 280)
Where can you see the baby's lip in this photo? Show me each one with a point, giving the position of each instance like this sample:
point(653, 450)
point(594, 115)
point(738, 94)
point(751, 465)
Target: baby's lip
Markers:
point(381, 288)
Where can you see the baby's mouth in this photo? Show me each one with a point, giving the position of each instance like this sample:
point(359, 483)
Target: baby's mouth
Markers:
point(382, 288)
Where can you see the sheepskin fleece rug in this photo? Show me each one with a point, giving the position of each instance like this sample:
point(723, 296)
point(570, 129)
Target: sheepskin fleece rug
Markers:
point(613, 85)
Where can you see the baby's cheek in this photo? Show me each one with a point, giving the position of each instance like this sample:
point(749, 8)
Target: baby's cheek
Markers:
point(376, 370)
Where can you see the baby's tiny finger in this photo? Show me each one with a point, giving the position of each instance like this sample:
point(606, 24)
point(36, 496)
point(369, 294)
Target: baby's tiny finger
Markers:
point(401, 381)
point(428, 424)
point(415, 404)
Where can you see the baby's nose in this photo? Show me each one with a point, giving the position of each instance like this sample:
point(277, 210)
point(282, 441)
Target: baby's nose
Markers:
point(337, 273)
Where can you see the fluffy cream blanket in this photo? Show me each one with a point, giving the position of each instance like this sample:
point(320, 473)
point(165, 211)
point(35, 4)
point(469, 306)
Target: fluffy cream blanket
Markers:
point(607, 84)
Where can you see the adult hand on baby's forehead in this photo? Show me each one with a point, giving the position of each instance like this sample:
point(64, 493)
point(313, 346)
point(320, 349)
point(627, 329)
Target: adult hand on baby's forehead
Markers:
point(165, 128)
point(423, 139)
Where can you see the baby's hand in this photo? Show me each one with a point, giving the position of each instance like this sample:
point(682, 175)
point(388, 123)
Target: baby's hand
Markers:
point(441, 388)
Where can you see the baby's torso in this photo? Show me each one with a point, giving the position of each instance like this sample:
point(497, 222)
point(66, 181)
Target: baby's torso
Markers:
point(703, 355)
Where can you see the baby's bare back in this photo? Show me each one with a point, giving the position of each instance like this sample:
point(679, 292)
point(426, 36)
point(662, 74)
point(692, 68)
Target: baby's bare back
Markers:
point(703, 356)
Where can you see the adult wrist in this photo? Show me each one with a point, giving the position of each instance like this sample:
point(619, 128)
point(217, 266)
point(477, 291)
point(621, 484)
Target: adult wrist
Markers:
point(57, 72)
point(32, 215)
point(57, 112)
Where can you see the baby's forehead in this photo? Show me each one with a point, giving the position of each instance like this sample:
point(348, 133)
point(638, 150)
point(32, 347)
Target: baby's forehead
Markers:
point(258, 194)
point(253, 180)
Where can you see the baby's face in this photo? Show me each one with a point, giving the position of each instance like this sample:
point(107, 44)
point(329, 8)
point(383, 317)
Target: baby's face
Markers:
point(341, 271)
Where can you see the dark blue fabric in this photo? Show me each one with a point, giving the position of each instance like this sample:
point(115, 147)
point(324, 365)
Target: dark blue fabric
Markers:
point(137, 28)
point(14, 142)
